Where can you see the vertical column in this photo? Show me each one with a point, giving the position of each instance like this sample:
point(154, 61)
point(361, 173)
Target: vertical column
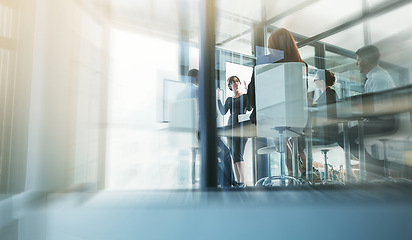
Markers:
point(254, 160)
point(220, 69)
point(362, 163)
point(320, 56)
point(366, 31)
point(262, 160)
point(346, 146)
point(258, 38)
point(282, 156)
point(385, 160)
point(295, 157)
point(326, 169)
point(207, 96)
point(309, 157)
point(184, 19)
point(17, 69)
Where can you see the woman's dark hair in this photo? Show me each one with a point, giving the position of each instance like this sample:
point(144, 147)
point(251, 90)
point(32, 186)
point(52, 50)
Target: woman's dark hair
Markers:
point(230, 80)
point(327, 76)
point(193, 76)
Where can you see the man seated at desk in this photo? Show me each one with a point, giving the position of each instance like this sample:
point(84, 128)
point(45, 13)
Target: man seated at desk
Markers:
point(377, 79)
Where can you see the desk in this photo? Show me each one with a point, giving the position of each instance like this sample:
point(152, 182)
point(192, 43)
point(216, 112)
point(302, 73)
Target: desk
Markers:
point(355, 108)
point(243, 129)
point(393, 101)
point(249, 130)
point(371, 105)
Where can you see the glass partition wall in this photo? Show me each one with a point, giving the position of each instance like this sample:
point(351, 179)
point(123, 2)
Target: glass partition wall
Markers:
point(328, 39)
point(109, 112)
point(100, 94)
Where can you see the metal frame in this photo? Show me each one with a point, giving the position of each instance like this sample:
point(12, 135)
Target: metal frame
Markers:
point(207, 96)
point(383, 8)
point(314, 40)
point(207, 61)
point(289, 12)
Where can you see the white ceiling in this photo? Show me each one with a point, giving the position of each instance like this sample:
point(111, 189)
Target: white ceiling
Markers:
point(235, 17)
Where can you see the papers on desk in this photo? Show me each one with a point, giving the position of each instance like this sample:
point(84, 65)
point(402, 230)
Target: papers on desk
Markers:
point(244, 117)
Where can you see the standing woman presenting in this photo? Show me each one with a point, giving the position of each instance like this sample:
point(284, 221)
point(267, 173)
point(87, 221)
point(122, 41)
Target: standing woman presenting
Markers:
point(238, 104)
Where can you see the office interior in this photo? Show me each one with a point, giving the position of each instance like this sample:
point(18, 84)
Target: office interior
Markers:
point(96, 145)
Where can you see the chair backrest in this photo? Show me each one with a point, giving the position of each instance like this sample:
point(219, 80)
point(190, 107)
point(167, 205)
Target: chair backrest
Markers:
point(401, 131)
point(184, 114)
point(183, 123)
point(281, 97)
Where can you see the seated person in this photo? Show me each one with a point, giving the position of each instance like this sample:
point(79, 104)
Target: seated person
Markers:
point(191, 89)
point(280, 41)
point(324, 80)
point(377, 79)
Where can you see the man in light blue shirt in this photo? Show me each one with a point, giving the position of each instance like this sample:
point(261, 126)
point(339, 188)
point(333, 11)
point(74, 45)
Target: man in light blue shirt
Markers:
point(377, 80)
point(368, 63)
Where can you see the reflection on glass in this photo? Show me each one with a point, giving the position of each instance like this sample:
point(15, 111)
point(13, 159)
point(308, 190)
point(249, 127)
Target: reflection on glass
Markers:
point(349, 79)
point(240, 44)
point(320, 16)
point(98, 119)
point(308, 55)
point(112, 81)
point(341, 38)
point(389, 24)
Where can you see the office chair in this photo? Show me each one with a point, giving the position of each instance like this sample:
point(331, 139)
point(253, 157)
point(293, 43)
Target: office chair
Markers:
point(281, 107)
point(401, 131)
point(183, 118)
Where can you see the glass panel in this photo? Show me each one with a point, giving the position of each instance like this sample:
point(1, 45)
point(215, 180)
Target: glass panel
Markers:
point(8, 81)
point(307, 53)
point(383, 26)
point(244, 9)
point(244, 74)
point(329, 15)
point(238, 149)
point(147, 152)
point(274, 8)
point(392, 33)
point(355, 34)
point(101, 95)
point(375, 3)
point(7, 21)
point(152, 140)
point(228, 28)
point(109, 113)
point(349, 81)
point(234, 34)
point(241, 45)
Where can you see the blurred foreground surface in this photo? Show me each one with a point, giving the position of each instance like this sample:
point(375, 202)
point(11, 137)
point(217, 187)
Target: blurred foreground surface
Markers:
point(340, 212)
